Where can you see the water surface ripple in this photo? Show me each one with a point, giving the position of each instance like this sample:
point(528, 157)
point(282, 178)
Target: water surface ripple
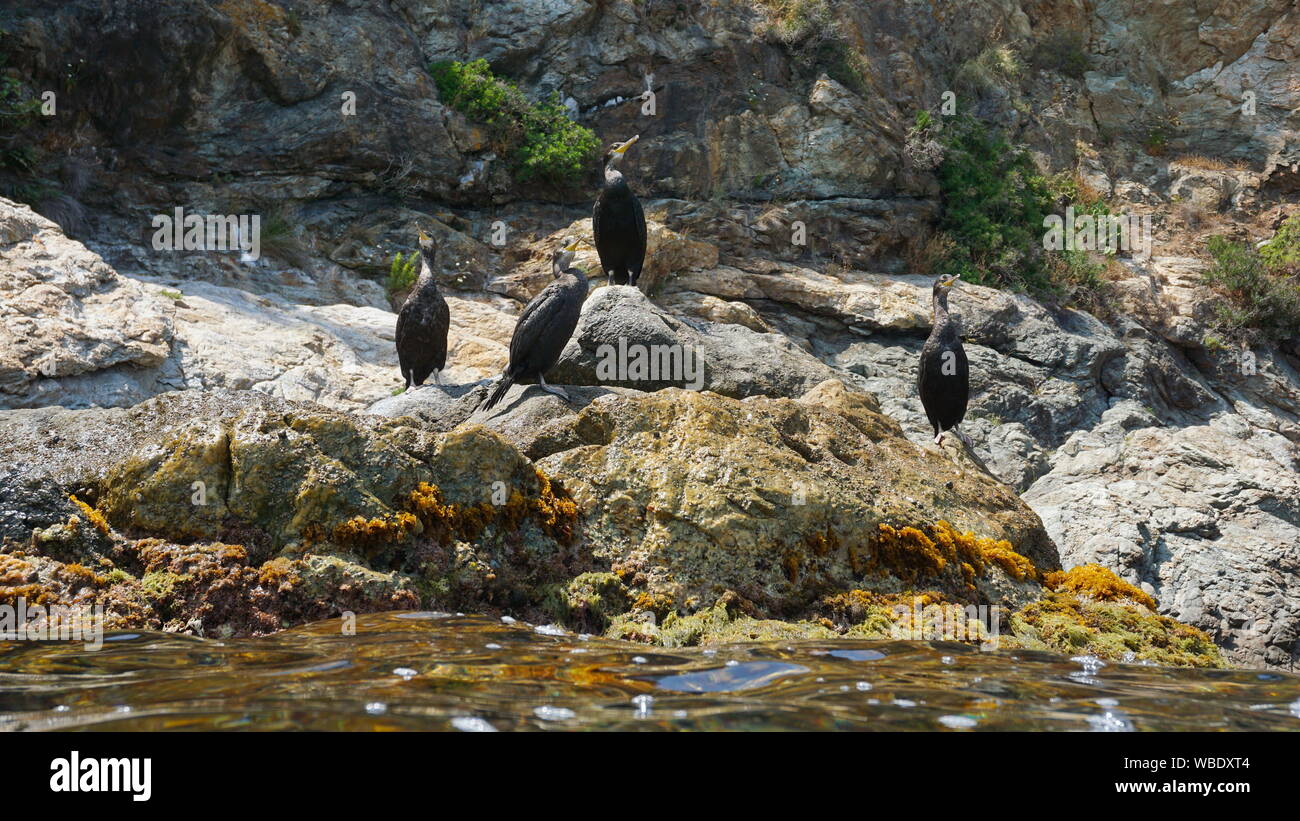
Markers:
point(437, 671)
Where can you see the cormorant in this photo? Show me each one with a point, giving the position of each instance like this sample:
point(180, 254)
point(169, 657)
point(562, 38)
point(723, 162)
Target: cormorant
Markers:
point(422, 323)
point(944, 379)
point(618, 222)
point(544, 327)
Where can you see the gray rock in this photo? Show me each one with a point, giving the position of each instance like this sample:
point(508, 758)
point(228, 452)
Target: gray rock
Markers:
point(1207, 515)
point(621, 329)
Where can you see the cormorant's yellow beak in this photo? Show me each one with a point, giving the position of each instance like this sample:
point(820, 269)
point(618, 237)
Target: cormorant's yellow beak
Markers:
point(423, 236)
point(574, 246)
point(623, 148)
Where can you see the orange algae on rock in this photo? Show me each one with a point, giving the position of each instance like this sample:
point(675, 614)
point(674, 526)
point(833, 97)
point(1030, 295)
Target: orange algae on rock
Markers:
point(911, 553)
point(556, 511)
point(94, 516)
point(1097, 582)
point(370, 534)
point(906, 553)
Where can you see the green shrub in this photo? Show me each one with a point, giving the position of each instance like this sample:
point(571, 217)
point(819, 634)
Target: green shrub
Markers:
point(992, 230)
point(1069, 188)
point(993, 67)
point(812, 32)
point(994, 202)
point(1282, 252)
point(793, 20)
point(1078, 279)
point(1161, 130)
point(1260, 304)
point(20, 161)
point(543, 144)
point(402, 272)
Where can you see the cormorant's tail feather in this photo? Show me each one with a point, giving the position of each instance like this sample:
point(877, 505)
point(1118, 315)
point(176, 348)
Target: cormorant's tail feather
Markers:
point(498, 392)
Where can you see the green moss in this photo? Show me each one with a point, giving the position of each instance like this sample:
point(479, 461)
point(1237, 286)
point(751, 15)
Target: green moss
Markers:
point(1066, 623)
point(160, 585)
point(542, 142)
point(715, 625)
point(117, 576)
point(997, 66)
point(590, 602)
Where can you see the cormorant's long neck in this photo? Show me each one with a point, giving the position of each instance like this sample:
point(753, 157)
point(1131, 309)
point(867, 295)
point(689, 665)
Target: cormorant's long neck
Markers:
point(941, 310)
point(612, 175)
point(426, 271)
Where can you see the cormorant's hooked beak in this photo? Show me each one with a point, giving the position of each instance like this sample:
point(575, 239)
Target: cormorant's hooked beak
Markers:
point(950, 280)
point(621, 150)
point(423, 236)
point(575, 245)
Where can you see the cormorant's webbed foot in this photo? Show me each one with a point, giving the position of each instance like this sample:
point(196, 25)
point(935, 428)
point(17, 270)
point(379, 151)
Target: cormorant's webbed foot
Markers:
point(541, 383)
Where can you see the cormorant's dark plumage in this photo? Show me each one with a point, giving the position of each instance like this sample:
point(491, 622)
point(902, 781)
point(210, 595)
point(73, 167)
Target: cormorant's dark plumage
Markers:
point(422, 324)
point(618, 223)
point(944, 379)
point(544, 327)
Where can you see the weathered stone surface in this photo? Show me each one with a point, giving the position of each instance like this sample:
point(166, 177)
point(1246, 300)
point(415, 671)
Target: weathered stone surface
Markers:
point(1205, 517)
point(771, 498)
point(64, 313)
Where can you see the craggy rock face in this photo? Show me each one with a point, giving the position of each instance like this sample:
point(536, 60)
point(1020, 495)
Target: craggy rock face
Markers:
point(774, 499)
point(666, 500)
point(278, 488)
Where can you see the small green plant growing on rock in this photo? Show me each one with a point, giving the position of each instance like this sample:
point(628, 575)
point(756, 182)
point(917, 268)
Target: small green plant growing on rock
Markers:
point(991, 232)
point(995, 66)
point(543, 143)
point(401, 272)
point(1160, 131)
point(1282, 252)
point(792, 20)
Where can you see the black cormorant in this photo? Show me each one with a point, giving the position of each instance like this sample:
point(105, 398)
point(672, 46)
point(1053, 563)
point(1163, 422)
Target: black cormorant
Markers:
point(618, 223)
point(944, 379)
point(544, 327)
point(422, 324)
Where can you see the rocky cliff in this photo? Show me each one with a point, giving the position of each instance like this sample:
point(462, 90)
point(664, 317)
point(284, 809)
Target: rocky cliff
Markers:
point(1117, 432)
